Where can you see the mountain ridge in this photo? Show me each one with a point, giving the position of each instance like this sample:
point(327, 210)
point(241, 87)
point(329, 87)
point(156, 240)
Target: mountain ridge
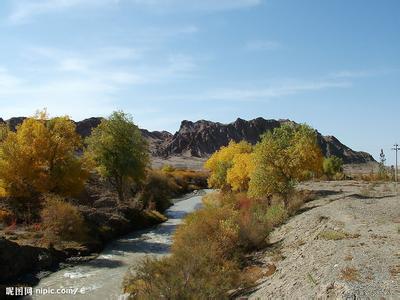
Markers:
point(202, 138)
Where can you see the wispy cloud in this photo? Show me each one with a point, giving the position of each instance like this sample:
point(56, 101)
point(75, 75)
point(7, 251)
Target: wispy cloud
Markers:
point(274, 91)
point(362, 73)
point(262, 45)
point(71, 81)
point(24, 10)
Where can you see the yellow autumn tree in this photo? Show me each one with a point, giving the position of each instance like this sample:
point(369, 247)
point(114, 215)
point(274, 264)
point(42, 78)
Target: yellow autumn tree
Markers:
point(282, 158)
point(238, 176)
point(222, 160)
point(40, 157)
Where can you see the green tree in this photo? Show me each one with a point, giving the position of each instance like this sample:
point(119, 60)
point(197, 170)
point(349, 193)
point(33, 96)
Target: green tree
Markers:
point(382, 167)
point(119, 151)
point(332, 165)
point(283, 157)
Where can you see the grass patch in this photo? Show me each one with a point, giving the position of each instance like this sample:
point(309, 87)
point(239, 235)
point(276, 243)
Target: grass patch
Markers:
point(394, 271)
point(335, 235)
point(311, 279)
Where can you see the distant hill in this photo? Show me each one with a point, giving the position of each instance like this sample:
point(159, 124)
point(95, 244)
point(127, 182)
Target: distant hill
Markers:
point(202, 138)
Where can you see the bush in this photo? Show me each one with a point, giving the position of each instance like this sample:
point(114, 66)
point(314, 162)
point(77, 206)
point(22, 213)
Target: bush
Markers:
point(6, 217)
point(332, 166)
point(62, 221)
point(276, 215)
point(203, 264)
point(167, 168)
point(157, 191)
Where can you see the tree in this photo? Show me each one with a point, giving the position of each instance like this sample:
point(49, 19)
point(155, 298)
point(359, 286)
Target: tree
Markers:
point(222, 160)
point(40, 157)
point(119, 151)
point(382, 168)
point(283, 157)
point(238, 176)
point(332, 165)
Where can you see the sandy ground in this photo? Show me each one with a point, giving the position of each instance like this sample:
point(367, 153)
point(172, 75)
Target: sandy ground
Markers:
point(343, 245)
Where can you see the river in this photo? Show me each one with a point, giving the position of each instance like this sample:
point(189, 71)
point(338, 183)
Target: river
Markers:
point(101, 278)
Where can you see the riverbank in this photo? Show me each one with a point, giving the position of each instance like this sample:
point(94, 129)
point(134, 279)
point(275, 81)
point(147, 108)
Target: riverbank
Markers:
point(101, 278)
point(27, 254)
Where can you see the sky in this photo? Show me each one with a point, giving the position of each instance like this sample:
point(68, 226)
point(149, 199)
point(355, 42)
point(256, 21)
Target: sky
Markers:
point(334, 65)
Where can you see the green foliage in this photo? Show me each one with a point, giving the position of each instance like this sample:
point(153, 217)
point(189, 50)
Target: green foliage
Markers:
point(167, 168)
point(119, 151)
point(40, 157)
point(283, 157)
point(383, 174)
point(62, 221)
point(332, 165)
point(276, 214)
point(3, 132)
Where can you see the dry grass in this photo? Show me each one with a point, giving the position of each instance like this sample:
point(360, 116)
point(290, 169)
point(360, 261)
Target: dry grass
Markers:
point(335, 235)
point(395, 271)
point(348, 257)
point(350, 274)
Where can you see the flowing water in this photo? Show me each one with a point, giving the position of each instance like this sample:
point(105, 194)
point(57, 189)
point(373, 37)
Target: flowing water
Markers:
point(101, 278)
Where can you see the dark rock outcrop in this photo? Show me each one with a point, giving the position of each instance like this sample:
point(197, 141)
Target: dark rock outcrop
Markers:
point(202, 138)
point(84, 127)
point(16, 259)
point(14, 122)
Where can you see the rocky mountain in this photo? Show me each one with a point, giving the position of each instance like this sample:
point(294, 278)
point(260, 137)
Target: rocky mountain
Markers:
point(202, 138)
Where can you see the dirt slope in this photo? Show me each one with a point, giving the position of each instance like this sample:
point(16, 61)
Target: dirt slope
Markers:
point(344, 245)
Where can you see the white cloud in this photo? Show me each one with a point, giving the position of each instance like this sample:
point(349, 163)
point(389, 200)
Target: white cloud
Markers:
point(262, 45)
point(363, 73)
point(278, 89)
point(24, 10)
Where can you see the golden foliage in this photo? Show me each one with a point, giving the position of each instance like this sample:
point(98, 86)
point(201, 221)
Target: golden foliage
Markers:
point(40, 157)
point(222, 160)
point(238, 176)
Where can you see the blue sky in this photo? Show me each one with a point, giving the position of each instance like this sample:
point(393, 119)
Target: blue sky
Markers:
point(332, 64)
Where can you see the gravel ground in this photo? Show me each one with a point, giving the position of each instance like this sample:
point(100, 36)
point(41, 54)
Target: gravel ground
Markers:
point(343, 245)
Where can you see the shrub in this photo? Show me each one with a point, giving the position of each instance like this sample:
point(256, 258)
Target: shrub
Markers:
point(158, 190)
point(276, 215)
point(332, 167)
point(167, 168)
point(62, 221)
point(203, 264)
point(6, 217)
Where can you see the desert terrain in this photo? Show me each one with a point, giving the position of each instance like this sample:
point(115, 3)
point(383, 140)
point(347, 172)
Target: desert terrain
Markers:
point(343, 245)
